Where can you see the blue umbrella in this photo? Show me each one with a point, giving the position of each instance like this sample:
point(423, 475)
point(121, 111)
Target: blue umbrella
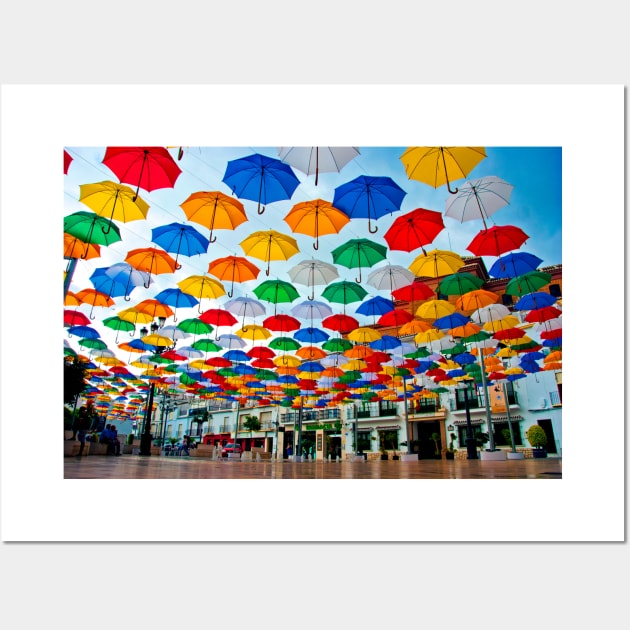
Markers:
point(386, 342)
point(176, 298)
point(85, 332)
point(311, 335)
point(181, 239)
point(514, 264)
point(236, 355)
point(260, 178)
point(367, 197)
point(118, 279)
point(311, 366)
point(375, 306)
point(450, 321)
point(532, 301)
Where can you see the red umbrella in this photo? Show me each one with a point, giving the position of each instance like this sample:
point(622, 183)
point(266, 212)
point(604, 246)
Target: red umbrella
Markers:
point(414, 229)
point(509, 333)
point(149, 168)
point(67, 159)
point(542, 314)
point(340, 323)
point(497, 240)
point(413, 292)
point(75, 318)
point(261, 352)
point(397, 317)
point(281, 323)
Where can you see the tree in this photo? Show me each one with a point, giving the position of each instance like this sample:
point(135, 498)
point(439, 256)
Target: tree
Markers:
point(74, 379)
point(252, 423)
point(536, 436)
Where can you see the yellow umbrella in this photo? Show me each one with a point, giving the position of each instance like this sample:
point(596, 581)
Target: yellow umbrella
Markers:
point(355, 364)
point(157, 340)
point(436, 263)
point(202, 287)
point(509, 321)
point(135, 317)
point(437, 166)
point(316, 217)
point(253, 332)
point(434, 309)
point(364, 335)
point(287, 360)
point(113, 201)
point(270, 245)
point(514, 370)
point(433, 334)
point(214, 210)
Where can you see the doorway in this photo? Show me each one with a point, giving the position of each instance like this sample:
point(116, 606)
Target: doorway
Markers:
point(547, 427)
point(427, 447)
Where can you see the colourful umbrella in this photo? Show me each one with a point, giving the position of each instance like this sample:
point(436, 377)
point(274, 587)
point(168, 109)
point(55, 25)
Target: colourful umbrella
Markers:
point(389, 278)
point(270, 245)
point(367, 197)
point(152, 260)
point(67, 160)
point(344, 292)
point(414, 229)
point(113, 201)
point(311, 309)
point(177, 299)
point(313, 272)
point(436, 166)
point(116, 323)
point(514, 264)
point(436, 263)
point(94, 298)
point(534, 300)
point(76, 248)
point(359, 252)
point(181, 239)
point(315, 218)
point(233, 269)
point(260, 178)
point(340, 323)
point(311, 160)
point(459, 283)
point(476, 299)
point(281, 323)
point(215, 211)
point(118, 279)
point(91, 229)
point(276, 291)
point(497, 240)
point(529, 282)
point(478, 199)
point(202, 287)
point(150, 168)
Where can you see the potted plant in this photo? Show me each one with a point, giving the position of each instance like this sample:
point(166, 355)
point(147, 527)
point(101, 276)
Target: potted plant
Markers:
point(435, 438)
point(383, 452)
point(450, 452)
point(537, 437)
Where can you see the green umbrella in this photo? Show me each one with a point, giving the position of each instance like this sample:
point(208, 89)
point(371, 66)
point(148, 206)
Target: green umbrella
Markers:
point(266, 375)
point(286, 344)
point(482, 335)
point(91, 228)
point(529, 282)
point(336, 344)
point(195, 326)
point(344, 292)
point(95, 344)
point(118, 324)
point(459, 283)
point(359, 252)
point(206, 345)
point(276, 291)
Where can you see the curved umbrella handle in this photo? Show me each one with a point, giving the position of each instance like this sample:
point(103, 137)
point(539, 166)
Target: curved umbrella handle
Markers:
point(212, 239)
point(448, 185)
point(316, 244)
point(370, 230)
point(259, 210)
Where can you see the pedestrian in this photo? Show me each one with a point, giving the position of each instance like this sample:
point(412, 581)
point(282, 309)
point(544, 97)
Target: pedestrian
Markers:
point(185, 444)
point(289, 452)
point(82, 429)
point(79, 418)
point(115, 442)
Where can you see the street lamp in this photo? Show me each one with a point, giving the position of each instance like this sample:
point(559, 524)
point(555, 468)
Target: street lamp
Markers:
point(471, 446)
point(146, 438)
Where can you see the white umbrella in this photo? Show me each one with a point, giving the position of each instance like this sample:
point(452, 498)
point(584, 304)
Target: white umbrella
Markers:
point(312, 272)
point(317, 160)
point(491, 312)
point(390, 277)
point(478, 199)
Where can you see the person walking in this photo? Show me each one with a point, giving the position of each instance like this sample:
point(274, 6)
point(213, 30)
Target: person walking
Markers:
point(185, 445)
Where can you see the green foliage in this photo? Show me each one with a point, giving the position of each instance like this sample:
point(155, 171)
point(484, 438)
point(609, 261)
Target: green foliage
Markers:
point(506, 435)
point(536, 436)
point(74, 379)
point(252, 423)
point(130, 439)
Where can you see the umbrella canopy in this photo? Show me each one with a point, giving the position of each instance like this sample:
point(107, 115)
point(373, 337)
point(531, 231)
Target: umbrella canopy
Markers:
point(312, 272)
point(436, 263)
point(150, 168)
point(311, 309)
point(479, 199)
point(180, 239)
point(75, 318)
point(245, 307)
point(389, 278)
point(214, 210)
point(459, 283)
point(310, 335)
point(534, 300)
point(497, 240)
point(529, 282)
point(359, 252)
point(67, 160)
point(433, 309)
point(315, 218)
point(153, 308)
point(113, 201)
point(202, 287)
point(367, 197)
point(340, 323)
point(118, 279)
point(176, 298)
point(514, 264)
point(253, 332)
point(317, 160)
point(413, 292)
point(268, 245)
point(473, 300)
point(276, 291)
point(364, 335)
point(414, 229)
point(90, 228)
point(152, 260)
point(76, 248)
point(260, 178)
point(344, 292)
point(233, 269)
point(375, 306)
point(281, 323)
point(437, 166)
point(489, 313)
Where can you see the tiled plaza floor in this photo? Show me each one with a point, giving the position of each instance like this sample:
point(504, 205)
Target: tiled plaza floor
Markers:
point(155, 467)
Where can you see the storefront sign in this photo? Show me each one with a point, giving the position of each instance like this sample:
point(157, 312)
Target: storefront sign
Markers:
point(319, 441)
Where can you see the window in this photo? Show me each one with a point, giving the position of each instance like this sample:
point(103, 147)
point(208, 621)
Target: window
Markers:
point(388, 440)
point(364, 443)
point(502, 434)
point(507, 300)
point(555, 290)
point(554, 397)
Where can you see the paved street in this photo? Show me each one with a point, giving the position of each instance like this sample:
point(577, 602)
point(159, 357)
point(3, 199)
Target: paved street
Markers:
point(136, 467)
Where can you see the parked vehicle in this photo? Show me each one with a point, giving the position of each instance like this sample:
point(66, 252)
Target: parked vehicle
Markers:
point(229, 448)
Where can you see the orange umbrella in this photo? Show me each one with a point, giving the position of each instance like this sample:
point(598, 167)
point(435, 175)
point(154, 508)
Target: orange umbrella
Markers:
point(473, 300)
point(154, 308)
point(152, 260)
point(76, 248)
point(234, 269)
point(215, 211)
point(316, 217)
point(95, 298)
point(311, 353)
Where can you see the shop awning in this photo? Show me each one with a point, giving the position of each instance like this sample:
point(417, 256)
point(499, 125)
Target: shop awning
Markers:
point(495, 420)
point(392, 427)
